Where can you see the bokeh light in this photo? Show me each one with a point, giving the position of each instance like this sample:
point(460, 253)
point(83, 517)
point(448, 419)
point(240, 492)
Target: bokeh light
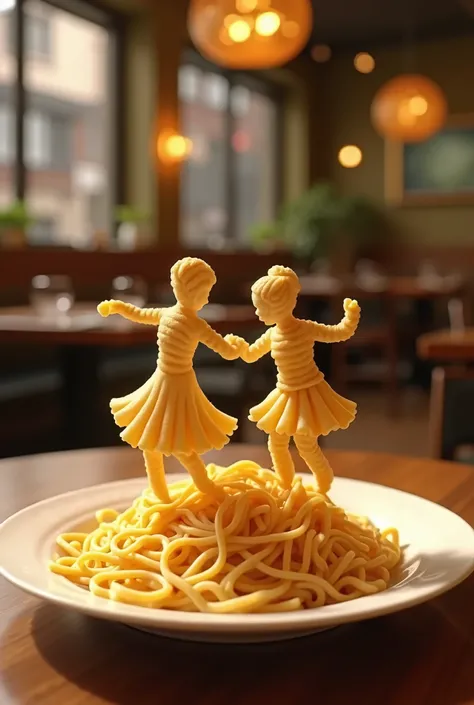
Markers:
point(364, 62)
point(409, 108)
point(173, 147)
point(250, 34)
point(350, 156)
point(321, 53)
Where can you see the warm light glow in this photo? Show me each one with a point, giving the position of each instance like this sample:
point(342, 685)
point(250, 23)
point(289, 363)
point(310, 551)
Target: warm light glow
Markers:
point(267, 24)
point(321, 53)
point(230, 19)
point(250, 34)
point(239, 31)
point(244, 6)
point(290, 29)
point(364, 63)
point(173, 147)
point(350, 156)
point(418, 105)
point(409, 108)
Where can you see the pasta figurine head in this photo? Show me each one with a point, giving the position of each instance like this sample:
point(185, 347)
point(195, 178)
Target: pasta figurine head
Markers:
point(192, 280)
point(274, 296)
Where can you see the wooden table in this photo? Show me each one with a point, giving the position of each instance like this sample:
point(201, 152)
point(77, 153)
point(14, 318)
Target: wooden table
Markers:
point(50, 655)
point(81, 339)
point(447, 345)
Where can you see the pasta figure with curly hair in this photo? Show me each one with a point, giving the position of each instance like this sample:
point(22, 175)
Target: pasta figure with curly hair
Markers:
point(169, 414)
point(302, 405)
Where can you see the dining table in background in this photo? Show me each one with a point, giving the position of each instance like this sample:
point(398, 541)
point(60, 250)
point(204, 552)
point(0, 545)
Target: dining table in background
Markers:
point(447, 346)
point(51, 655)
point(387, 335)
point(81, 338)
point(451, 354)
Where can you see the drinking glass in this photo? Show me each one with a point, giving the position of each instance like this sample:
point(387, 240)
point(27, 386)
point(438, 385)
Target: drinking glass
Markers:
point(52, 296)
point(132, 290)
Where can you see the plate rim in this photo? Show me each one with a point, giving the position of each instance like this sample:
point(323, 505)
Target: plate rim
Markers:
point(367, 607)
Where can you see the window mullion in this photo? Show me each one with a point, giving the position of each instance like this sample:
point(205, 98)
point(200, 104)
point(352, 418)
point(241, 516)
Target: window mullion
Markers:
point(19, 101)
point(230, 170)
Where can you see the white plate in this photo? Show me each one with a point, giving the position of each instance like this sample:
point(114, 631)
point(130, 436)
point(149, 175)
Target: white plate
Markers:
point(439, 553)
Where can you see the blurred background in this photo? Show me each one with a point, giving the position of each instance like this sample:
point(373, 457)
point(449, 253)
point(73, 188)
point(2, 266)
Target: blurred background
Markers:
point(330, 137)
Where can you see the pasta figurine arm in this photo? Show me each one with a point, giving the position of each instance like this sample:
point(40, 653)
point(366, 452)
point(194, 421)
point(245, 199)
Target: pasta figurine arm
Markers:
point(252, 353)
point(148, 316)
point(343, 330)
point(227, 347)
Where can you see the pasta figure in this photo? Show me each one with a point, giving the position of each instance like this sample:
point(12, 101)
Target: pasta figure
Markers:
point(169, 414)
point(302, 405)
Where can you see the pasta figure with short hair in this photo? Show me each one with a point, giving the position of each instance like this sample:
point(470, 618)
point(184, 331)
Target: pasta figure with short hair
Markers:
point(302, 405)
point(169, 414)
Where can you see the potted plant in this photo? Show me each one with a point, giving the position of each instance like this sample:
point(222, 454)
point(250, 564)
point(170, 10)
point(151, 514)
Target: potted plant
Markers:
point(321, 223)
point(129, 220)
point(14, 221)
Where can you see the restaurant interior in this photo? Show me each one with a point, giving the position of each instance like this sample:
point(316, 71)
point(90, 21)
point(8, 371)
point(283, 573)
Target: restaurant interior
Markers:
point(131, 136)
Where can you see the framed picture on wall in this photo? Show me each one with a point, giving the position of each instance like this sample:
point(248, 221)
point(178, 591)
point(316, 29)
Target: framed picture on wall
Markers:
point(439, 171)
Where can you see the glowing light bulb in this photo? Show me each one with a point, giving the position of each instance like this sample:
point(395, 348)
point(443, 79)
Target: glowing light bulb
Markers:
point(267, 24)
point(364, 63)
point(350, 156)
point(239, 31)
point(174, 147)
point(250, 34)
point(418, 105)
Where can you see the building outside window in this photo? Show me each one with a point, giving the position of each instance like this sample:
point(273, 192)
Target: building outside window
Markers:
point(69, 119)
point(231, 180)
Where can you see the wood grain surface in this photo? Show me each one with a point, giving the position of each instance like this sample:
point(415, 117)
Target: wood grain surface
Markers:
point(53, 656)
point(447, 345)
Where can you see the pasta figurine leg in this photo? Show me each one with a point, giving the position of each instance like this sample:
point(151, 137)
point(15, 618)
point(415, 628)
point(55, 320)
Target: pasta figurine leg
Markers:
point(311, 453)
point(278, 447)
point(196, 468)
point(156, 474)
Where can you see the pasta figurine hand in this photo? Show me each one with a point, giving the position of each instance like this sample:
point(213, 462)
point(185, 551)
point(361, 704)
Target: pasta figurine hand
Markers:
point(106, 308)
point(238, 344)
point(302, 405)
point(169, 414)
point(351, 308)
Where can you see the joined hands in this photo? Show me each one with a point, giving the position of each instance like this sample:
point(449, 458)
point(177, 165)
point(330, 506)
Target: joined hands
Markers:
point(237, 343)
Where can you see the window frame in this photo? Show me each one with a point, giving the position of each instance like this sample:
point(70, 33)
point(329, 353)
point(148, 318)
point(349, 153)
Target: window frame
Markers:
point(112, 21)
point(39, 54)
point(257, 83)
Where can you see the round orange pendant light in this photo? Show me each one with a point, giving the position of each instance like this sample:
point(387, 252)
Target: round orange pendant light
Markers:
point(250, 34)
point(409, 108)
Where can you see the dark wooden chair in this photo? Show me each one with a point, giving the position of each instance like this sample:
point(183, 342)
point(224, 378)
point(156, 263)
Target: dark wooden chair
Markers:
point(451, 413)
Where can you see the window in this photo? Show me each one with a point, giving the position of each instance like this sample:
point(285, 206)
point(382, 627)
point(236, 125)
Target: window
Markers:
point(68, 114)
point(42, 232)
point(38, 140)
point(38, 36)
point(7, 115)
point(7, 148)
point(231, 179)
point(38, 28)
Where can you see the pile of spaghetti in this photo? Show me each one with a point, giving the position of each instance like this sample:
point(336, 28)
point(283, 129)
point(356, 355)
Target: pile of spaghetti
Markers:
point(262, 549)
